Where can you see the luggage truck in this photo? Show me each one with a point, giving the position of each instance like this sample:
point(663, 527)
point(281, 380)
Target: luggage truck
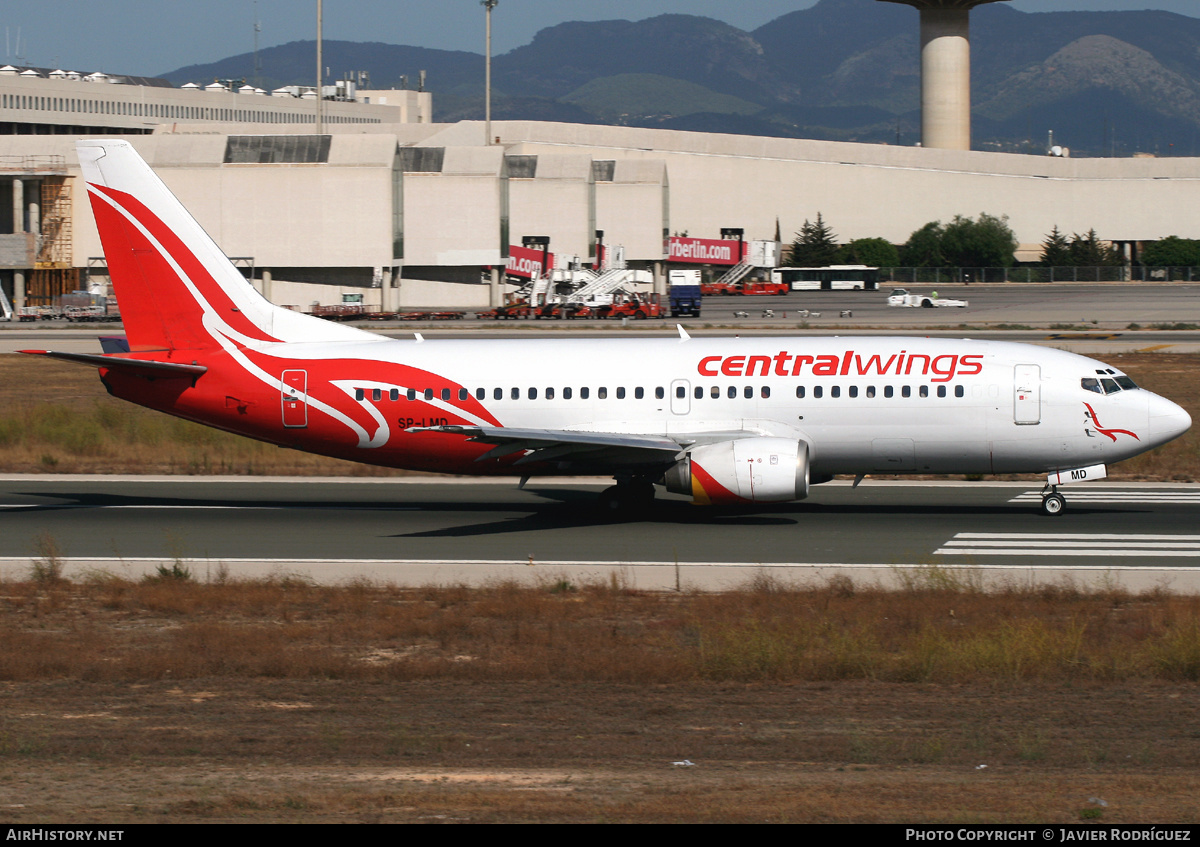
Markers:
point(685, 293)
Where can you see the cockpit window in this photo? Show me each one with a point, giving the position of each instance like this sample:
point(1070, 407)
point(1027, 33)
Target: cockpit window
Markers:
point(1107, 385)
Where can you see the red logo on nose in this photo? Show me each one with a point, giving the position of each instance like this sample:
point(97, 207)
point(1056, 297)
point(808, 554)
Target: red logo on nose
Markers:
point(1111, 433)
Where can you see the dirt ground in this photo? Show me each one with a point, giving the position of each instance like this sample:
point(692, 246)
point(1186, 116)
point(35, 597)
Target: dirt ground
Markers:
point(262, 751)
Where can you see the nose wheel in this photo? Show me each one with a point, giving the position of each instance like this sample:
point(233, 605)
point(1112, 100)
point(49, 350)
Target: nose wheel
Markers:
point(1053, 503)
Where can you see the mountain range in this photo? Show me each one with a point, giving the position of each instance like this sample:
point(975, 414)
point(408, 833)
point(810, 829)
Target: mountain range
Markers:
point(1105, 83)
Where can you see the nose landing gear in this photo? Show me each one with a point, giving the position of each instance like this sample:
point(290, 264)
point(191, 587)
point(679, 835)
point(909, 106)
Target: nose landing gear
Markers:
point(1053, 503)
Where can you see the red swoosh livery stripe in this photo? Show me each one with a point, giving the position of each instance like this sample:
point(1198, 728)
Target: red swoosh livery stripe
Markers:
point(1109, 432)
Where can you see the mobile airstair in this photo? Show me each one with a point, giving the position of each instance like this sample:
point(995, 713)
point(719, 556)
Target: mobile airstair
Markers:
point(736, 274)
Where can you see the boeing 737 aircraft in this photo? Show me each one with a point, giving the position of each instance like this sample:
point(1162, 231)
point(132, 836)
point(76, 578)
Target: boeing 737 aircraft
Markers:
point(723, 420)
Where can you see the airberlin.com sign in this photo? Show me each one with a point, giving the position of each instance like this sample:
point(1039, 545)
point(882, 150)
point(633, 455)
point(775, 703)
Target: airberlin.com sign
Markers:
point(703, 251)
point(527, 263)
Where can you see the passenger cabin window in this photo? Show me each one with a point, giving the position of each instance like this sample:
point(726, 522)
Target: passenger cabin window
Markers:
point(602, 393)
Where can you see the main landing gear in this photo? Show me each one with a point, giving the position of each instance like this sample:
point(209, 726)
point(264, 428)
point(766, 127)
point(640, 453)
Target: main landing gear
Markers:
point(1053, 503)
point(629, 495)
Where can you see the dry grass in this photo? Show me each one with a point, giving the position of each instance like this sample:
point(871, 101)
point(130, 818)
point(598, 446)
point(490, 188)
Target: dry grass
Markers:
point(111, 629)
point(56, 418)
point(279, 700)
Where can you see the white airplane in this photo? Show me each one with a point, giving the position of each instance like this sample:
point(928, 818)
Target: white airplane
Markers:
point(724, 420)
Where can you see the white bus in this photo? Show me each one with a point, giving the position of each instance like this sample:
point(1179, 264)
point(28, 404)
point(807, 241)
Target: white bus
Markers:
point(831, 278)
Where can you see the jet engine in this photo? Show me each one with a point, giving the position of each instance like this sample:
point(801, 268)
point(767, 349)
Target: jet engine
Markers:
point(747, 470)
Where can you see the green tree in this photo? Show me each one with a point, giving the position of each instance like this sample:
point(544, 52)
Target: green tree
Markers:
point(1172, 251)
point(986, 243)
point(815, 245)
point(876, 252)
point(1088, 251)
point(1056, 250)
point(962, 243)
point(924, 247)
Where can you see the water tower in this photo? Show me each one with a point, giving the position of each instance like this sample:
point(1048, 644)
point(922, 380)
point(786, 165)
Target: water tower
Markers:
point(945, 71)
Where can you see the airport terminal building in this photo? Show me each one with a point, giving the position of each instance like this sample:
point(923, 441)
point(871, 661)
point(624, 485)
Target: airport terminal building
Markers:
point(411, 213)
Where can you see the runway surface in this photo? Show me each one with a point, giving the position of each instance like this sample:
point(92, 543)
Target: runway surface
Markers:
point(424, 530)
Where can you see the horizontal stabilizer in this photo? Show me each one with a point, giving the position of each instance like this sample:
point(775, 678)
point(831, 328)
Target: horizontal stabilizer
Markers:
point(139, 367)
point(114, 344)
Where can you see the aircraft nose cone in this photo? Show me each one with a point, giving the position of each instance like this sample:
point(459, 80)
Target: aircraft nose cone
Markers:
point(1167, 420)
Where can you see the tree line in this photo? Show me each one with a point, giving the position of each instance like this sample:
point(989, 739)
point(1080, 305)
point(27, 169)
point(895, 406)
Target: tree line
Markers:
point(986, 242)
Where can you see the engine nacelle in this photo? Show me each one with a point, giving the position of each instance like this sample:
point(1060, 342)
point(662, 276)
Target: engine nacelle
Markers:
point(748, 470)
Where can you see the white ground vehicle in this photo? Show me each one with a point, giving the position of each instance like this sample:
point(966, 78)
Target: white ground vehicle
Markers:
point(900, 297)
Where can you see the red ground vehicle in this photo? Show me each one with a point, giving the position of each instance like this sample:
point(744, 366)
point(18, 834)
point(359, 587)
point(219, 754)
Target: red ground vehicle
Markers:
point(569, 311)
point(750, 287)
point(340, 312)
point(636, 306)
point(509, 311)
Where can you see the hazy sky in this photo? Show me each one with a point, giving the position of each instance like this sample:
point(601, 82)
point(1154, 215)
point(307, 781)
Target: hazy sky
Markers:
point(135, 37)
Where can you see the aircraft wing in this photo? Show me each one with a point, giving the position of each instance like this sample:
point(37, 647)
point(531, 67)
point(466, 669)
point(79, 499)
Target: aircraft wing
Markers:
point(599, 450)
